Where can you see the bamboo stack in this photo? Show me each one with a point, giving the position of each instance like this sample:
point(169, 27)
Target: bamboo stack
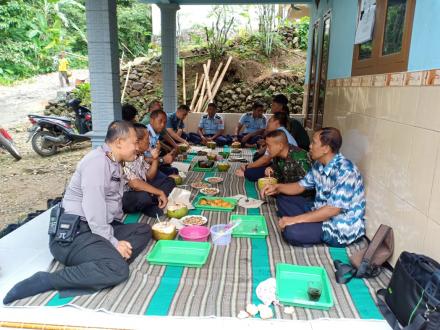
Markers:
point(205, 88)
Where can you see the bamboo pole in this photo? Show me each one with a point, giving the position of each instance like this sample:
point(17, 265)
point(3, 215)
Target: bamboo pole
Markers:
point(126, 82)
point(214, 80)
point(217, 83)
point(183, 82)
point(208, 84)
point(195, 82)
point(202, 95)
point(220, 79)
point(196, 92)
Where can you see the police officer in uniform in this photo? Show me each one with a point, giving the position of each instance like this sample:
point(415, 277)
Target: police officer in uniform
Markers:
point(175, 124)
point(254, 124)
point(211, 128)
point(98, 250)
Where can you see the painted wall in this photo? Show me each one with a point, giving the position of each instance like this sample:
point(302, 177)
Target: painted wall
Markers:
point(425, 45)
point(392, 133)
point(343, 27)
point(425, 41)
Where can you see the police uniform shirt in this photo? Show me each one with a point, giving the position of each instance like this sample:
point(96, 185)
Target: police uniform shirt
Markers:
point(174, 122)
point(95, 192)
point(252, 124)
point(211, 125)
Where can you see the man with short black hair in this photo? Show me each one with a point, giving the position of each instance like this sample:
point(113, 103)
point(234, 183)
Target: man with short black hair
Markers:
point(254, 124)
point(101, 247)
point(255, 170)
point(175, 124)
point(156, 129)
point(337, 215)
point(280, 104)
point(211, 128)
point(129, 113)
point(141, 195)
point(154, 105)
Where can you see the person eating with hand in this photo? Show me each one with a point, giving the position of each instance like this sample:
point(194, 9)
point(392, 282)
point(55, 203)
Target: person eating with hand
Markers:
point(140, 194)
point(254, 124)
point(336, 217)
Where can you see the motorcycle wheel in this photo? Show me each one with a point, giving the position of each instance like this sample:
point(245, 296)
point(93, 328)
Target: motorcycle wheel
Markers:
point(10, 147)
point(40, 146)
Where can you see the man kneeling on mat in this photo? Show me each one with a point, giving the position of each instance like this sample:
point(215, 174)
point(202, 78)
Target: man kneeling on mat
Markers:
point(89, 237)
point(141, 194)
point(337, 215)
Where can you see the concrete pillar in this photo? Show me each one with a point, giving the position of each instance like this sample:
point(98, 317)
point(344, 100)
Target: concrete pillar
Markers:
point(169, 55)
point(102, 36)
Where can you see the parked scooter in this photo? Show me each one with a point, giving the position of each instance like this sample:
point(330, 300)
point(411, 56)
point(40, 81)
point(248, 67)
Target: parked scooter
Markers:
point(7, 143)
point(49, 133)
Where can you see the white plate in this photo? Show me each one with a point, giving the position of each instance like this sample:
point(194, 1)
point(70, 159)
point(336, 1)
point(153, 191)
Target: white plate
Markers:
point(203, 219)
point(217, 177)
point(194, 183)
point(203, 191)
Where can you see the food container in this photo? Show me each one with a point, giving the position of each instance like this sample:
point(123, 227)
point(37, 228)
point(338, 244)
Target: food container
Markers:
point(183, 147)
point(223, 166)
point(177, 211)
point(211, 156)
point(178, 180)
point(220, 234)
point(236, 145)
point(195, 233)
point(205, 163)
point(164, 230)
point(211, 144)
point(265, 181)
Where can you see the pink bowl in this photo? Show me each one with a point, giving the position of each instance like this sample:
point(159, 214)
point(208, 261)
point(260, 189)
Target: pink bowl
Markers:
point(194, 233)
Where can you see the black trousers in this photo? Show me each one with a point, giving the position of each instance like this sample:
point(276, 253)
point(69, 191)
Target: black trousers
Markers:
point(302, 234)
point(92, 262)
point(141, 201)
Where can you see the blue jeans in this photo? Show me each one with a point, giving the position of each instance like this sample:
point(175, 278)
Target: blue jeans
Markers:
point(301, 234)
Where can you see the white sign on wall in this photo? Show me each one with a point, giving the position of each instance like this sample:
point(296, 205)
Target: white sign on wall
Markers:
point(365, 28)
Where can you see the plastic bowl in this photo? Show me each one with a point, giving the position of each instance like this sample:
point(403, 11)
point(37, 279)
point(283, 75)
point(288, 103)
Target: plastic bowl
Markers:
point(195, 233)
point(220, 234)
point(223, 167)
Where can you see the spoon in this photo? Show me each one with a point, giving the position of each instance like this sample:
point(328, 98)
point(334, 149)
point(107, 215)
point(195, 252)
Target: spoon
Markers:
point(228, 229)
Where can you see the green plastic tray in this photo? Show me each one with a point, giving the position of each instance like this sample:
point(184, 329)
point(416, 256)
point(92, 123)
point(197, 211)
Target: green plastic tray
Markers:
point(196, 168)
point(292, 286)
point(179, 253)
point(253, 226)
point(233, 201)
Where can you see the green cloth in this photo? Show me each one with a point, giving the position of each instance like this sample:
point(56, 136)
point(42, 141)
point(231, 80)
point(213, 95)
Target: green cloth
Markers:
point(294, 167)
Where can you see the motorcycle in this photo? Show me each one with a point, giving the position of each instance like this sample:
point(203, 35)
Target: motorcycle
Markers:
point(7, 143)
point(83, 116)
point(49, 133)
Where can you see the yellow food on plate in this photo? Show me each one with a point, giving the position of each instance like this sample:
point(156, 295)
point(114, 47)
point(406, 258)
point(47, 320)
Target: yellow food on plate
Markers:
point(215, 203)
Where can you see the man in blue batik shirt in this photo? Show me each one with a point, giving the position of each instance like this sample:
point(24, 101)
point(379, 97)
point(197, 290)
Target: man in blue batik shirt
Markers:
point(336, 217)
point(211, 128)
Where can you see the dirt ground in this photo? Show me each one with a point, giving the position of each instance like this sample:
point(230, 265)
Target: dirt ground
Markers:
point(26, 185)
